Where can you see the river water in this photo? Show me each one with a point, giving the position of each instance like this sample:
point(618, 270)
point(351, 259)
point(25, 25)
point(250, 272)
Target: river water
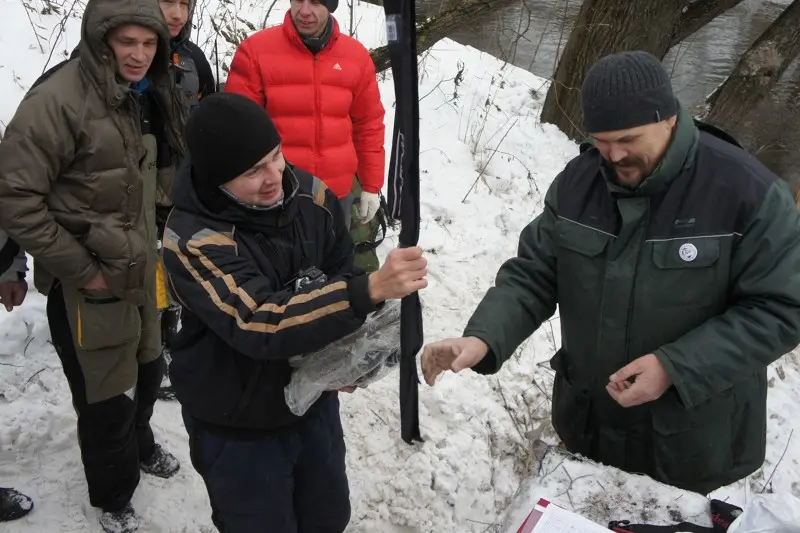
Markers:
point(697, 65)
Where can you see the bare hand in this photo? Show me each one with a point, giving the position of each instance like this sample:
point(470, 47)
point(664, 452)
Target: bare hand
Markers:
point(401, 274)
point(451, 354)
point(12, 293)
point(651, 380)
point(97, 284)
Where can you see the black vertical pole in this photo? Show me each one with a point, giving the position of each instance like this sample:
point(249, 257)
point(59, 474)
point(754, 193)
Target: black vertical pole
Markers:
point(404, 194)
point(216, 58)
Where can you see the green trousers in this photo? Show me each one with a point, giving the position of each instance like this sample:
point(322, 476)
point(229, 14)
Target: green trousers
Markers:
point(362, 234)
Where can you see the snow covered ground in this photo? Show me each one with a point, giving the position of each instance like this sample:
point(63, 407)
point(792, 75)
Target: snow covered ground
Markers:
point(478, 469)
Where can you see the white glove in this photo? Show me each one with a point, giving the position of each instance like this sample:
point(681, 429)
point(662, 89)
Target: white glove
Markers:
point(368, 206)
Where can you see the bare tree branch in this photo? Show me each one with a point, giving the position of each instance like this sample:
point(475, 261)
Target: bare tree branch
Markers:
point(697, 14)
point(462, 13)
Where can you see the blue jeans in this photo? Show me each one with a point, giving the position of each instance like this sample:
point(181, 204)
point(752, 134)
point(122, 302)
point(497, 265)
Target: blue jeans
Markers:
point(292, 480)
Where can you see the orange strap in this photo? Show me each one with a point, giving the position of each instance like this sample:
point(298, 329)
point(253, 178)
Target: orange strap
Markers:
point(162, 302)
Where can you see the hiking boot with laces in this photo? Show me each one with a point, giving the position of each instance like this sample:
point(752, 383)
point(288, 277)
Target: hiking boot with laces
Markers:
point(161, 463)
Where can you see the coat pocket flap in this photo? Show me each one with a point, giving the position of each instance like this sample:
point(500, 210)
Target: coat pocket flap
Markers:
point(685, 253)
point(581, 239)
point(98, 297)
point(670, 417)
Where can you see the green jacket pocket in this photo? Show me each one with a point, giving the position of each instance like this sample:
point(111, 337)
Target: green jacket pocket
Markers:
point(692, 447)
point(105, 321)
point(571, 409)
point(685, 272)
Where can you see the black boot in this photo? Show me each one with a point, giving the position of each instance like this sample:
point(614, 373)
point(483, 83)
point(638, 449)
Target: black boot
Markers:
point(122, 521)
point(162, 463)
point(13, 505)
point(170, 319)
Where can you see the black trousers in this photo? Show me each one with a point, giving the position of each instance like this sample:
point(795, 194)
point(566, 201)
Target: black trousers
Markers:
point(114, 434)
point(290, 481)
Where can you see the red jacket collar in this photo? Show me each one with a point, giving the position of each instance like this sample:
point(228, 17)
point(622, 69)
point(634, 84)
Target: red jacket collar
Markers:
point(290, 32)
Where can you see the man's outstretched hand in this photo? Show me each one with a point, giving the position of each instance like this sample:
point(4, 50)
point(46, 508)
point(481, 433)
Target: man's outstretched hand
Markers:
point(451, 354)
point(650, 381)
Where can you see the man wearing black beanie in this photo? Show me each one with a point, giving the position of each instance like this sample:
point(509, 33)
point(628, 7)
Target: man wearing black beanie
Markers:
point(674, 259)
point(258, 254)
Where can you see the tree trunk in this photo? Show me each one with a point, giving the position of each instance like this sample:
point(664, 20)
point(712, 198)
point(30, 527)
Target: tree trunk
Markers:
point(438, 27)
point(604, 27)
point(758, 71)
point(607, 26)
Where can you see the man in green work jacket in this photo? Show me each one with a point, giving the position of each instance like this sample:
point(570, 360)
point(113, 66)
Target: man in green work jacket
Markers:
point(674, 258)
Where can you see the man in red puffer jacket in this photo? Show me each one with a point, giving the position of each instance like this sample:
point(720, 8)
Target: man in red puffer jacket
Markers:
point(319, 87)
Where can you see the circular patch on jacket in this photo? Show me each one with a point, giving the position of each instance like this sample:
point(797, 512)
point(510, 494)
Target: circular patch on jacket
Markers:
point(688, 252)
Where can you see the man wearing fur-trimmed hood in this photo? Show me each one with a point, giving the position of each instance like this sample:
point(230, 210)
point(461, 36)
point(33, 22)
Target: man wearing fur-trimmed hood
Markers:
point(79, 167)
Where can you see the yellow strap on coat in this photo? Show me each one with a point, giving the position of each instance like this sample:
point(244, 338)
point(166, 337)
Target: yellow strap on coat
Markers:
point(80, 327)
point(161, 287)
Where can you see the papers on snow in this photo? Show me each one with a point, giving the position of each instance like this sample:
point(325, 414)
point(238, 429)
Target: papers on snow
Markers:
point(549, 518)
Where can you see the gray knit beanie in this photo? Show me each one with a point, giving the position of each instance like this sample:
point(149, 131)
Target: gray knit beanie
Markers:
point(625, 90)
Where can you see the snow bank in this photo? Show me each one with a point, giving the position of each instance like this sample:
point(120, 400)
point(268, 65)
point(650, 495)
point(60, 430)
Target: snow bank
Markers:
point(479, 126)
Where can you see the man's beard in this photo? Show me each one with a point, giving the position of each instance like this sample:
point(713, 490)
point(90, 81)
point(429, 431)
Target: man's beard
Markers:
point(628, 172)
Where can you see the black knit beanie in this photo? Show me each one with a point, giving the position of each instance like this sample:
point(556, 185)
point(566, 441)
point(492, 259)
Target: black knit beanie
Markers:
point(331, 5)
point(227, 135)
point(625, 90)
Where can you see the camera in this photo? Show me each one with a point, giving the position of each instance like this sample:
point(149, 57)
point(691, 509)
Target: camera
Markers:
point(309, 277)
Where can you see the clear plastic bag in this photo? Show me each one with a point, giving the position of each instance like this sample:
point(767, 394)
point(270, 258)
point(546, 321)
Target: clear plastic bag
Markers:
point(769, 513)
point(358, 359)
